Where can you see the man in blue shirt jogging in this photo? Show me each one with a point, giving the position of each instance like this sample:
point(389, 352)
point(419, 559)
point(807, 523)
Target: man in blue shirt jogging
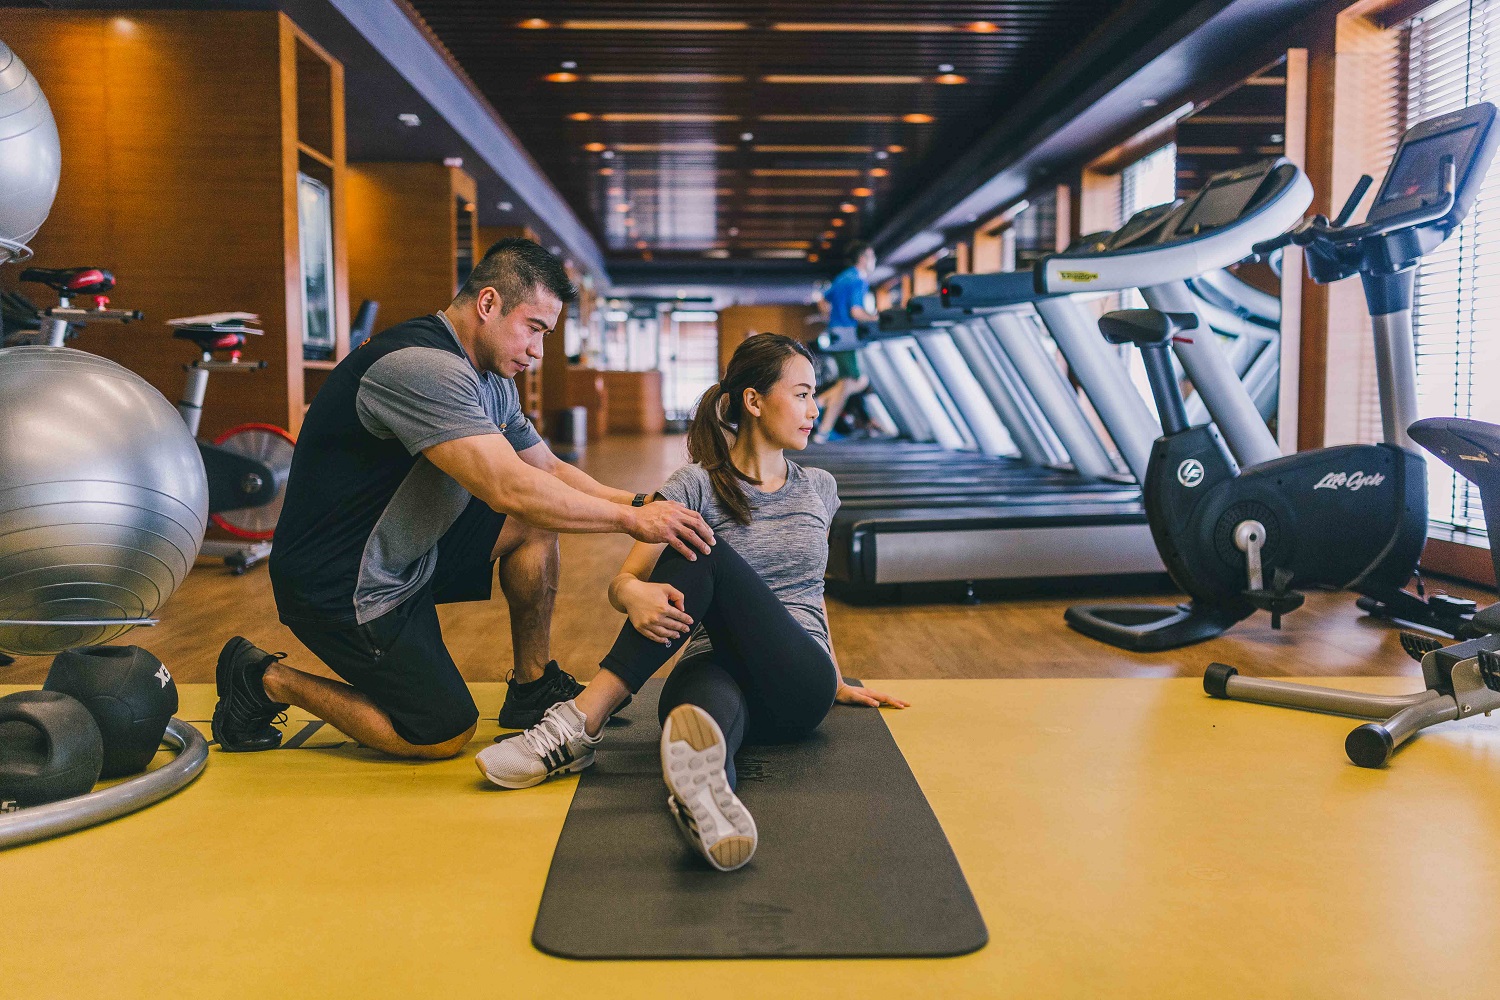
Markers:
point(844, 305)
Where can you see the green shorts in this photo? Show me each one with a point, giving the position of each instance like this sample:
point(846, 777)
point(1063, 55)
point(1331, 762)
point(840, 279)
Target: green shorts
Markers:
point(848, 362)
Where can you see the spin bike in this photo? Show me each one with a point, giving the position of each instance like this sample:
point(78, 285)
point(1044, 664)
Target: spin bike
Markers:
point(1460, 681)
point(1347, 517)
point(247, 465)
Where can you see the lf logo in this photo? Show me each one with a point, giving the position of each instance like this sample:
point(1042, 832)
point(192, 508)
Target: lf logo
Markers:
point(162, 675)
point(9, 806)
point(1350, 481)
point(1190, 473)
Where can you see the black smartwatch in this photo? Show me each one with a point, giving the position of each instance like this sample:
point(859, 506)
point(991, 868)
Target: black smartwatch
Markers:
point(639, 501)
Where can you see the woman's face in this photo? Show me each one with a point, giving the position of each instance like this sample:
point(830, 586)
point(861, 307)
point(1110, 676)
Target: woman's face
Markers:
point(787, 413)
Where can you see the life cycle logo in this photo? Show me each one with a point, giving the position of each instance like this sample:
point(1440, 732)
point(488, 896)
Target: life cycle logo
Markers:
point(1190, 473)
point(1351, 481)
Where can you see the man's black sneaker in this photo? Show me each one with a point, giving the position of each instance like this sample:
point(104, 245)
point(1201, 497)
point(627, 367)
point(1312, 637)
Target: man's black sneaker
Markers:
point(525, 704)
point(243, 715)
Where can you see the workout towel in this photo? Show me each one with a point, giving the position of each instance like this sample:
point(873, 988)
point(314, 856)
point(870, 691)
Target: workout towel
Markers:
point(851, 864)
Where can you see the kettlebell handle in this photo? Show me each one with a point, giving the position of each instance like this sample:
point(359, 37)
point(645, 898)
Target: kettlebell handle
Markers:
point(12, 712)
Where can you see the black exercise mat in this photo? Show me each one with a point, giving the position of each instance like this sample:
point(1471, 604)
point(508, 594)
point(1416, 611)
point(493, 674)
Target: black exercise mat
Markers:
point(851, 864)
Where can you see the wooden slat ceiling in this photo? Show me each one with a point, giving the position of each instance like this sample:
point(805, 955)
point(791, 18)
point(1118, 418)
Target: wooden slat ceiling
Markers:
point(749, 130)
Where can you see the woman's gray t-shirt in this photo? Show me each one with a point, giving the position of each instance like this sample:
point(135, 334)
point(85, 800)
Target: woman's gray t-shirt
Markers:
point(786, 541)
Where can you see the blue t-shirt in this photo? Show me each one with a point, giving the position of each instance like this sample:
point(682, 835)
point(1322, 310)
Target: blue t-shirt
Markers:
point(847, 291)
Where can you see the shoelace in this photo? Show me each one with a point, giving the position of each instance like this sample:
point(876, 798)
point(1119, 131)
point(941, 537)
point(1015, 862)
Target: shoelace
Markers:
point(552, 733)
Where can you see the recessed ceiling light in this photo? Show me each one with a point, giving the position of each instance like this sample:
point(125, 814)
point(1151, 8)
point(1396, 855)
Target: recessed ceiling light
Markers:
point(861, 192)
point(950, 79)
point(879, 171)
point(835, 223)
point(734, 230)
point(561, 77)
point(534, 24)
point(686, 117)
point(596, 147)
point(982, 27)
point(555, 250)
point(881, 154)
point(569, 64)
point(917, 119)
point(622, 208)
point(812, 149)
point(895, 149)
point(581, 116)
point(716, 254)
point(847, 207)
point(813, 258)
point(942, 67)
point(621, 24)
point(608, 154)
point(453, 161)
point(640, 244)
point(682, 293)
point(873, 79)
point(504, 206)
point(666, 78)
point(409, 120)
point(747, 136)
point(606, 171)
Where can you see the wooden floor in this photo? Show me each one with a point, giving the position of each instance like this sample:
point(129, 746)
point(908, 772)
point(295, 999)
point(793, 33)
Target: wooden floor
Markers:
point(999, 639)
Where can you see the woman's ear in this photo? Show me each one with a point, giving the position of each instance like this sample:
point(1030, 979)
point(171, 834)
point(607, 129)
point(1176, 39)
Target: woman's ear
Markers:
point(751, 403)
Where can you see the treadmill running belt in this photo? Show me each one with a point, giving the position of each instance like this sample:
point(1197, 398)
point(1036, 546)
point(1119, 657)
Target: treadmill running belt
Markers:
point(852, 863)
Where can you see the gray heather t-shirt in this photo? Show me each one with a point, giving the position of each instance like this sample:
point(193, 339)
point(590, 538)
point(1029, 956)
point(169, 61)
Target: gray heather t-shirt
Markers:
point(786, 541)
point(423, 396)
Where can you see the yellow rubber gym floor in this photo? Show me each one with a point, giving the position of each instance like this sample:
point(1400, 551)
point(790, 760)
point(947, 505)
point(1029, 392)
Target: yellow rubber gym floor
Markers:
point(1123, 837)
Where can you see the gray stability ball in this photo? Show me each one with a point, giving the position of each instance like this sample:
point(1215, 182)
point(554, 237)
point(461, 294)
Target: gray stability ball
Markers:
point(30, 156)
point(103, 500)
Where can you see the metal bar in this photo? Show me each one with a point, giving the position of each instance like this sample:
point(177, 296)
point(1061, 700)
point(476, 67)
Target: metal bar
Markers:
point(41, 822)
point(968, 396)
point(980, 362)
point(97, 622)
point(1284, 694)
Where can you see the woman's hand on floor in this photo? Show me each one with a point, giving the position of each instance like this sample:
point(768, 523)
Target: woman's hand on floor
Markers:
point(657, 610)
point(850, 695)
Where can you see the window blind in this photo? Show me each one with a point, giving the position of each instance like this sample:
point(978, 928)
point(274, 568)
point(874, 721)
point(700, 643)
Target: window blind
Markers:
point(1454, 61)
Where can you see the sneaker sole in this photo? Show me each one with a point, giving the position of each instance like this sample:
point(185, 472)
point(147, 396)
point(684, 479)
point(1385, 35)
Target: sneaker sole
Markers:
point(693, 753)
point(573, 768)
point(223, 683)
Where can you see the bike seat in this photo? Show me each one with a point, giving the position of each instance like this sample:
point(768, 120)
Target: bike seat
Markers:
point(1144, 327)
point(209, 340)
point(71, 280)
point(1470, 447)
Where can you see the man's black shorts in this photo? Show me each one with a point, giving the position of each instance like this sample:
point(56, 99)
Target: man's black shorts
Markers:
point(399, 660)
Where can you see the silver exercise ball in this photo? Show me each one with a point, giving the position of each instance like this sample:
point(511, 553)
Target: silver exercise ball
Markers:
point(30, 156)
point(103, 499)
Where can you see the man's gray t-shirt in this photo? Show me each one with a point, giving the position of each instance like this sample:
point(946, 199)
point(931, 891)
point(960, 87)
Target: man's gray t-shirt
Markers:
point(786, 541)
point(423, 396)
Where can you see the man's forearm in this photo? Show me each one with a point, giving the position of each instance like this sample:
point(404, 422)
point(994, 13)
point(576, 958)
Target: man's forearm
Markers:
point(550, 502)
point(584, 483)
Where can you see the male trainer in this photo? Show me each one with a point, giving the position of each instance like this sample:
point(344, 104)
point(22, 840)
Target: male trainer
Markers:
point(844, 305)
point(410, 461)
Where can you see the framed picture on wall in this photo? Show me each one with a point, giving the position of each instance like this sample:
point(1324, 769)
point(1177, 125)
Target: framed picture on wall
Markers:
point(315, 234)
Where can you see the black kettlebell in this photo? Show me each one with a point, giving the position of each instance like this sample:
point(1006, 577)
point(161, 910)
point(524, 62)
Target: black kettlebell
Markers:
point(130, 694)
point(50, 749)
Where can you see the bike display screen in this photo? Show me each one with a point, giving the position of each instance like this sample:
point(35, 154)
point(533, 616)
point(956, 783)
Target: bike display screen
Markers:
point(1221, 204)
point(1417, 174)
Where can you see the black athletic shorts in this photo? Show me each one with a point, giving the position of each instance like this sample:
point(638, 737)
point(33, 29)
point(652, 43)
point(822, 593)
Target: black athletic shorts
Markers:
point(399, 660)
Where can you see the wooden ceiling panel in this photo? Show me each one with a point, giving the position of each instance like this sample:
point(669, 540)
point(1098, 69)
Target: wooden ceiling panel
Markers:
point(666, 139)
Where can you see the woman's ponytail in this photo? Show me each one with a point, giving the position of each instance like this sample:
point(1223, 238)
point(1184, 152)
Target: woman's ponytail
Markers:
point(708, 446)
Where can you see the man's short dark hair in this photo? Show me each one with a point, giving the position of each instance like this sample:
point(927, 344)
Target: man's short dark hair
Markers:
point(516, 268)
point(854, 251)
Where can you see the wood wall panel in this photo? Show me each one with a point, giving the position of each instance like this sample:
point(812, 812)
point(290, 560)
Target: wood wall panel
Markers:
point(738, 322)
point(402, 219)
point(635, 405)
point(174, 178)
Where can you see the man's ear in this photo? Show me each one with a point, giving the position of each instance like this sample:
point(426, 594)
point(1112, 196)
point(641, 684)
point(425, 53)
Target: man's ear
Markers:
point(488, 303)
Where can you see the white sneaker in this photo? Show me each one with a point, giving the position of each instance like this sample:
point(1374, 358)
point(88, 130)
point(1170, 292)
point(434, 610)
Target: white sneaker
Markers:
point(556, 745)
point(707, 811)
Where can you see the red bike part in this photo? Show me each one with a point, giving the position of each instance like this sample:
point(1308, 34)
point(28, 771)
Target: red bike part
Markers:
point(218, 519)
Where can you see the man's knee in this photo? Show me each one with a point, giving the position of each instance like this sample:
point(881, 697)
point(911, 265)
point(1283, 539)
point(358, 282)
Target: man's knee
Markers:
point(441, 751)
point(518, 535)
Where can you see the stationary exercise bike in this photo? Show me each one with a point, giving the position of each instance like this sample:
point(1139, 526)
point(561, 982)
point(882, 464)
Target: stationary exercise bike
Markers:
point(1461, 680)
point(247, 465)
point(1348, 517)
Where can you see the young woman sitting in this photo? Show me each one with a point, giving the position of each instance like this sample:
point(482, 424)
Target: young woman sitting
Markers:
point(759, 664)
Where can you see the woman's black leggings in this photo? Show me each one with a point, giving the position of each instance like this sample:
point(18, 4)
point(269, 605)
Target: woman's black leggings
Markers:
point(765, 680)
